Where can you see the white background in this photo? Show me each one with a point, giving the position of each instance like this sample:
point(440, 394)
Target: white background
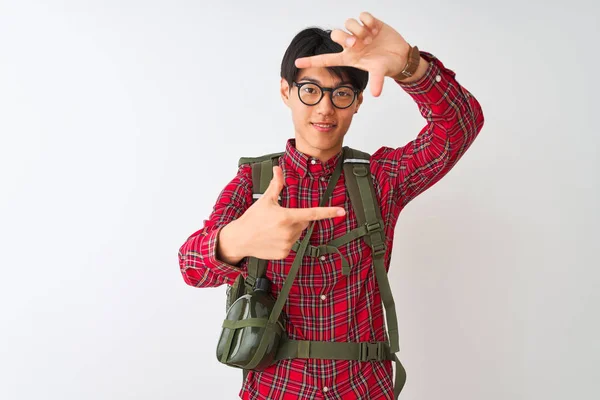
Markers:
point(121, 121)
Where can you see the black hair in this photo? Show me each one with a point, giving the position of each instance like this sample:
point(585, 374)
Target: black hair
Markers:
point(315, 41)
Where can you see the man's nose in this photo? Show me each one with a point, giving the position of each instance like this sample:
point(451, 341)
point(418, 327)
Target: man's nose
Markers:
point(325, 106)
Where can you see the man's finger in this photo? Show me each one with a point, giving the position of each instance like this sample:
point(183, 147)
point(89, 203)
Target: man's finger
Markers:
point(315, 213)
point(275, 186)
point(322, 60)
point(370, 22)
point(342, 38)
point(376, 84)
point(358, 30)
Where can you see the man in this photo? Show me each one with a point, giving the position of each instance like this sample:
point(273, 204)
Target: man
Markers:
point(323, 78)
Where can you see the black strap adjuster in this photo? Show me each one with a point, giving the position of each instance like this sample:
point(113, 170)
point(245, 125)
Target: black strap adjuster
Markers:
point(262, 284)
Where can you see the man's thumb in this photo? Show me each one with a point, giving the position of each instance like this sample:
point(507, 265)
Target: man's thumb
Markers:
point(276, 185)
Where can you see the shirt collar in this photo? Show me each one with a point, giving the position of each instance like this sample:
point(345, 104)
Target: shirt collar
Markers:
point(306, 165)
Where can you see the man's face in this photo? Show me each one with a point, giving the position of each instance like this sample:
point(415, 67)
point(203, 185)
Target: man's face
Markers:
point(312, 138)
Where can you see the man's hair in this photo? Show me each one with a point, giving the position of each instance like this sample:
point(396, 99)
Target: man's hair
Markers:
point(315, 41)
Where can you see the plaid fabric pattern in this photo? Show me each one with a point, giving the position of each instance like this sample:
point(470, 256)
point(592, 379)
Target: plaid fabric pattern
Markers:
point(323, 304)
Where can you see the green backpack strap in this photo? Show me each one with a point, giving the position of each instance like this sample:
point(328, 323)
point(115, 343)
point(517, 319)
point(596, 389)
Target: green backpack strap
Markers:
point(262, 173)
point(255, 160)
point(359, 184)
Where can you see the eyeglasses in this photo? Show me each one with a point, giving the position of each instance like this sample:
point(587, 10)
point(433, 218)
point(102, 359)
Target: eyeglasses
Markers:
point(311, 94)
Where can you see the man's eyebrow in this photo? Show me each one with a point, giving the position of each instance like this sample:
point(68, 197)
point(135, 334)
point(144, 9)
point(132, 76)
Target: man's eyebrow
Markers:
point(318, 82)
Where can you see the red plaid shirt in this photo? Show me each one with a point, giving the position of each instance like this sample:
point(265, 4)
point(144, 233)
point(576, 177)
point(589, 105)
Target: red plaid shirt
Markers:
point(323, 304)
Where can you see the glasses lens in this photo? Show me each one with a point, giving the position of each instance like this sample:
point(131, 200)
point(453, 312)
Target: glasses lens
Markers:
point(343, 97)
point(310, 94)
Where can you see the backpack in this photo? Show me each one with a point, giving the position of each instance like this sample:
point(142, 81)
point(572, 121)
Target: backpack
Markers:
point(359, 185)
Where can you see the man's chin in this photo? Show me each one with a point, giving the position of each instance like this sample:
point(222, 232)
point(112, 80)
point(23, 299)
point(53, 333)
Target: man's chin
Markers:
point(325, 146)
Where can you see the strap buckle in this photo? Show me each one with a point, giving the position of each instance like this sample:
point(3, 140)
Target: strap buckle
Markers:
point(249, 283)
point(371, 351)
point(378, 246)
point(318, 250)
point(379, 249)
point(373, 226)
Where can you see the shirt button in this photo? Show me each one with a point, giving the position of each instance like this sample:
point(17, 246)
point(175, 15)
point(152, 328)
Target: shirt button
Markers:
point(325, 389)
point(323, 179)
point(322, 258)
point(313, 162)
point(323, 297)
point(438, 78)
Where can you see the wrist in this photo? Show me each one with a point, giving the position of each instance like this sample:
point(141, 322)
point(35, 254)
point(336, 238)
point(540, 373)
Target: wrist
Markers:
point(419, 73)
point(231, 243)
point(414, 67)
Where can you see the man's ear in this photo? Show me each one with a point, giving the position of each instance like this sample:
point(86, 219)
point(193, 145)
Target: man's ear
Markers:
point(359, 100)
point(285, 91)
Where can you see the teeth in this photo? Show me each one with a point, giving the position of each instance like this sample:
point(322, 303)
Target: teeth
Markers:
point(323, 126)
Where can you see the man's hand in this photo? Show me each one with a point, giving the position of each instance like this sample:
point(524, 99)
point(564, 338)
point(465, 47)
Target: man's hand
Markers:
point(268, 231)
point(374, 47)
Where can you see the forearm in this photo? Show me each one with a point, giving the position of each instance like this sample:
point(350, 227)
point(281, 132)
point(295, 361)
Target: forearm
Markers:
point(445, 104)
point(200, 262)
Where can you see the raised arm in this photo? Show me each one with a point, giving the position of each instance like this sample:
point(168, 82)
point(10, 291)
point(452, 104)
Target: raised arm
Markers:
point(454, 119)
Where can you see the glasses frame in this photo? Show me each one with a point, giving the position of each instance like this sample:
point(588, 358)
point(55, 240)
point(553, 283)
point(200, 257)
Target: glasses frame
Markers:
point(325, 89)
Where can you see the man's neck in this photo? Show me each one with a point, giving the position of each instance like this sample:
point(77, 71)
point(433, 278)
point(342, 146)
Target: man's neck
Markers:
point(321, 155)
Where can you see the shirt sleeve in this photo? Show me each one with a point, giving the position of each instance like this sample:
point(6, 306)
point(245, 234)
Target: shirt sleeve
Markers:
point(454, 119)
point(198, 255)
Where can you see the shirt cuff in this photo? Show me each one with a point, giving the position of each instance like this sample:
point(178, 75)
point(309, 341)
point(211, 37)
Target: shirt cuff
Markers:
point(433, 86)
point(227, 271)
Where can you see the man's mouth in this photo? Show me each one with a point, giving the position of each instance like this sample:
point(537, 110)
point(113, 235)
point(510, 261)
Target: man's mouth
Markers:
point(323, 127)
